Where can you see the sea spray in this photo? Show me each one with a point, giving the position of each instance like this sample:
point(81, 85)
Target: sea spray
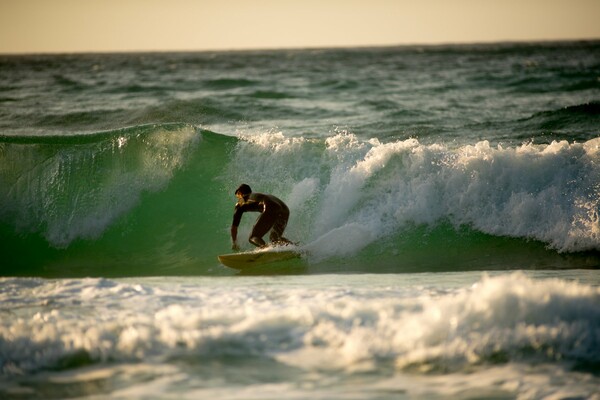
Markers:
point(549, 193)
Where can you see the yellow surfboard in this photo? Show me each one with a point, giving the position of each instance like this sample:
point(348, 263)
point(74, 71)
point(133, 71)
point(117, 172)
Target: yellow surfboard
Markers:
point(256, 258)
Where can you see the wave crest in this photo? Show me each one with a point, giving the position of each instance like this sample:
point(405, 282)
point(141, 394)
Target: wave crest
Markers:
point(549, 193)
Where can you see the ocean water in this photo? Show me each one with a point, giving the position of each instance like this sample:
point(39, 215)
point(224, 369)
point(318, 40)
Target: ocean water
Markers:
point(446, 200)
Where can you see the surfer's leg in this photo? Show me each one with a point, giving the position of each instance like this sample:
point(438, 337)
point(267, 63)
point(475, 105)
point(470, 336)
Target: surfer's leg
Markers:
point(276, 235)
point(264, 222)
point(257, 241)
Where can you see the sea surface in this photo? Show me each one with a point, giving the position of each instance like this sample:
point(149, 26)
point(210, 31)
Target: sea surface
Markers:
point(446, 201)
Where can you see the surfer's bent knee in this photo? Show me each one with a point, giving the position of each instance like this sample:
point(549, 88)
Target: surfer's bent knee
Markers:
point(257, 241)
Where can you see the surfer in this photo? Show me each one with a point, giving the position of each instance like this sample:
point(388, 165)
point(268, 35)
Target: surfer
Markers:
point(274, 217)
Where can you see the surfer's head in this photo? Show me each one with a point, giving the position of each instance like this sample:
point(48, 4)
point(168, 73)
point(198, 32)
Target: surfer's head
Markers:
point(244, 190)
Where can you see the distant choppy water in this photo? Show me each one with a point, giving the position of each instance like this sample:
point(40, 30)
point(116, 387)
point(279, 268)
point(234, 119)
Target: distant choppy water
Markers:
point(431, 166)
point(499, 92)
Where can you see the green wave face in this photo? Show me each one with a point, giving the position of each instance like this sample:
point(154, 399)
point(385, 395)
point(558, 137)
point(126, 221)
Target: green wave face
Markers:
point(124, 202)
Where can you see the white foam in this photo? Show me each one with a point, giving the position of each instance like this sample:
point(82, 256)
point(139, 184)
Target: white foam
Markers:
point(299, 322)
point(549, 193)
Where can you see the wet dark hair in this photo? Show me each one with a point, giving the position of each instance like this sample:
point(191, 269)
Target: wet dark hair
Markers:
point(243, 189)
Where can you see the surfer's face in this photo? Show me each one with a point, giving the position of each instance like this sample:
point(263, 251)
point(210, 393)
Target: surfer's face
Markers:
point(239, 196)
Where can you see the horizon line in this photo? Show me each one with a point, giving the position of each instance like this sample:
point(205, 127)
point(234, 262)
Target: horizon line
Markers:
point(308, 48)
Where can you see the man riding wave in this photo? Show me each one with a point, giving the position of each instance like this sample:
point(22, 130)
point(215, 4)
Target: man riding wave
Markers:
point(274, 217)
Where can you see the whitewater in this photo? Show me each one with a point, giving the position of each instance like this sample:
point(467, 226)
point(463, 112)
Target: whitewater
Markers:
point(446, 200)
point(458, 335)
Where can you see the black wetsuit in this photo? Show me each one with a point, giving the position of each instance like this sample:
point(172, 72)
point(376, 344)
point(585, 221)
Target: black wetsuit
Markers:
point(274, 216)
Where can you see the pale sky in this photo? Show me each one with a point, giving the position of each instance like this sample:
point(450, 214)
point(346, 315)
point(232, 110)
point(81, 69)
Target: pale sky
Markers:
point(34, 26)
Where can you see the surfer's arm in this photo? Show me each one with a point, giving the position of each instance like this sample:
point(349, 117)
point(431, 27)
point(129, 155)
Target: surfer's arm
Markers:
point(234, 245)
point(241, 208)
point(237, 216)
